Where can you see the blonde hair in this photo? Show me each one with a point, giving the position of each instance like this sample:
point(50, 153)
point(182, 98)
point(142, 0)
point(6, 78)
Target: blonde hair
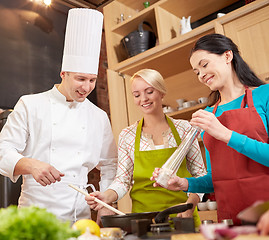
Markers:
point(152, 77)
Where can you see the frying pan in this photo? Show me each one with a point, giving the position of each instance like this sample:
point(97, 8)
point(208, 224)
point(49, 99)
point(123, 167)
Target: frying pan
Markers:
point(124, 221)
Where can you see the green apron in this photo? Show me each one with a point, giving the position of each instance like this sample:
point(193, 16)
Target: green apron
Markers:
point(145, 197)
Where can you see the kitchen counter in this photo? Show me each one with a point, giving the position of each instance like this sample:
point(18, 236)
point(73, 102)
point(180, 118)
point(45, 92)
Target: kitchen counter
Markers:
point(208, 215)
point(199, 236)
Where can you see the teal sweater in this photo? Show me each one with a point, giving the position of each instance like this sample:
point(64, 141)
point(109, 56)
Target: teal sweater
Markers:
point(251, 148)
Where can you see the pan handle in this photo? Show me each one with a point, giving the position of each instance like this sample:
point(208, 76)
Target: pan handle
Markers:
point(163, 215)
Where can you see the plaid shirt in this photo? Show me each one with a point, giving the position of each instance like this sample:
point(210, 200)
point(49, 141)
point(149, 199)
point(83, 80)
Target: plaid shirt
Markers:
point(126, 145)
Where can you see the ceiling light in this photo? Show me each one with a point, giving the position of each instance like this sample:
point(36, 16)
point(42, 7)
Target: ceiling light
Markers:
point(47, 2)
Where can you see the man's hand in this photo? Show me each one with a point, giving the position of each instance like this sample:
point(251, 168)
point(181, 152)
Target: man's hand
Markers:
point(45, 174)
point(42, 172)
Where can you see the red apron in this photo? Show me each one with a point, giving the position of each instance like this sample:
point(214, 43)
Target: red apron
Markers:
point(238, 180)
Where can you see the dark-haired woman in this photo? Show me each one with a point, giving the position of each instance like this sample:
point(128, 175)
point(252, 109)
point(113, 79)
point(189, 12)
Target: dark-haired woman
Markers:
point(236, 128)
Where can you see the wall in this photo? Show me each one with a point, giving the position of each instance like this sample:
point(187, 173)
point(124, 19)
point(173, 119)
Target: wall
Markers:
point(101, 87)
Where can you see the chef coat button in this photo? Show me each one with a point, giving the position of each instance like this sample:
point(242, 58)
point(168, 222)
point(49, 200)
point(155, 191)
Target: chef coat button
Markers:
point(54, 123)
point(74, 175)
point(83, 127)
point(53, 149)
point(78, 153)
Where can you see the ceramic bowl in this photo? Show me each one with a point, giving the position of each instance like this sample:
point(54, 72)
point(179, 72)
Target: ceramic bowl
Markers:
point(207, 222)
point(180, 102)
point(212, 205)
point(202, 206)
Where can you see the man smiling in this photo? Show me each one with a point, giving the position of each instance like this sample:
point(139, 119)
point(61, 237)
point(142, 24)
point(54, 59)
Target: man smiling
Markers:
point(57, 137)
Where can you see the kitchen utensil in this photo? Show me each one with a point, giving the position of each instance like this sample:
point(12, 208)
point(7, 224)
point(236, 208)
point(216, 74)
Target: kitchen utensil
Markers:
point(180, 102)
point(97, 200)
point(202, 100)
point(185, 24)
point(253, 213)
point(229, 222)
point(173, 163)
point(184, 225)
point(146, 4)
point(124, 221)
point(139, 41)
point(186, 104)
point(202, 206)
point(212, 205)
point(207, 222)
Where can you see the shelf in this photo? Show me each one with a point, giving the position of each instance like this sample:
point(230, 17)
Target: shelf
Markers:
point(187, 112)
point(169, 58)
point(135, 4)
point(197, 9)
point(163, 15)
point(131, 24)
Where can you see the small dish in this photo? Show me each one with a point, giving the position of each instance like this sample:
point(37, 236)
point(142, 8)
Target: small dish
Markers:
point(229, 222)
point(212, 205)
point(207, 222)
point(202, 206)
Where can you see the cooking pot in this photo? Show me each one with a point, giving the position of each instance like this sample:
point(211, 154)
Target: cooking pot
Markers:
point(139, 41)
point(125, 221)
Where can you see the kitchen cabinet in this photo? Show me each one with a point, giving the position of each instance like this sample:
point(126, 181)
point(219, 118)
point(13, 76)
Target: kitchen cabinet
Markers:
point(208, 215)
point(247, 26)
point(250, 33)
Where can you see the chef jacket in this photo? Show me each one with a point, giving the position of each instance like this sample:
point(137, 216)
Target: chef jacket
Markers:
point(74, 137)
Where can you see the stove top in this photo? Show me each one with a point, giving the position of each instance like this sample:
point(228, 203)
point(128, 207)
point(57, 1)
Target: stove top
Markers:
point(161, 231)
point(150, 235)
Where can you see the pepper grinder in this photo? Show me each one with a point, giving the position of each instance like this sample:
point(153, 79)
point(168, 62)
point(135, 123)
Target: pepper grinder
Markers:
point(171, 166)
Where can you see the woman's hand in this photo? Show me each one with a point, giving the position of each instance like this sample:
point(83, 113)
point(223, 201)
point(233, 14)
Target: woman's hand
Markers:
point(209, 123)
point(194, 199)
point(93, 204)
point(263, 224)
point(175, 183)
point(103, 212)
point(109, 196)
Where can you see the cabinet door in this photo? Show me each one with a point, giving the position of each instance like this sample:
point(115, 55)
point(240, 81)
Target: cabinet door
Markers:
point(117, 102)
point(250, 33)
point(134, 112)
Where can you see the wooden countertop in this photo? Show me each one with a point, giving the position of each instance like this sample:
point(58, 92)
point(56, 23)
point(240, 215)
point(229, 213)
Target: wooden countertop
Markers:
point(199, 236)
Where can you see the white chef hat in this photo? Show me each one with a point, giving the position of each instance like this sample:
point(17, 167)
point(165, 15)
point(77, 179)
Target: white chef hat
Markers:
point(82, 41)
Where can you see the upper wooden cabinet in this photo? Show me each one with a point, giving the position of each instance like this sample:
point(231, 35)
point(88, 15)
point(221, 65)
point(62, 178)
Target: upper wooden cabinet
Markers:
point(164, 16)
point(247, 26)
point(250, 33)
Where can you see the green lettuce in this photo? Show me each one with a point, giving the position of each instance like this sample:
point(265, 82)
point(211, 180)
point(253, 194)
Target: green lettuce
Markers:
point(32, 223)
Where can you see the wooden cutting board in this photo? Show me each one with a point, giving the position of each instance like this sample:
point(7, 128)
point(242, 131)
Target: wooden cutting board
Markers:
point(199, 236)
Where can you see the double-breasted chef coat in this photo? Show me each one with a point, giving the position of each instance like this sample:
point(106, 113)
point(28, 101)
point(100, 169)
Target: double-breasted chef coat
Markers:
point(73, 137)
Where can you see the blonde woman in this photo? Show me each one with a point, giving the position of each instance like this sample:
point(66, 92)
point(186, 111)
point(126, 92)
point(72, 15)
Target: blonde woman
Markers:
point(147, 144)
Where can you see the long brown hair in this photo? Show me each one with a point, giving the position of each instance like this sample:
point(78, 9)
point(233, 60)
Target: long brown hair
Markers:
point(218, 44)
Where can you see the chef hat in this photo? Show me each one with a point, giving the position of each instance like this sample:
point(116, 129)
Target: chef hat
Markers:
point(82, 41)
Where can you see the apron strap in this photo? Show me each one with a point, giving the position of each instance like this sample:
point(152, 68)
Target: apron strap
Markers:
point(173, 129)
point(139, 130)
point(247, 100)
point(138, 135)
point(216, 106)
